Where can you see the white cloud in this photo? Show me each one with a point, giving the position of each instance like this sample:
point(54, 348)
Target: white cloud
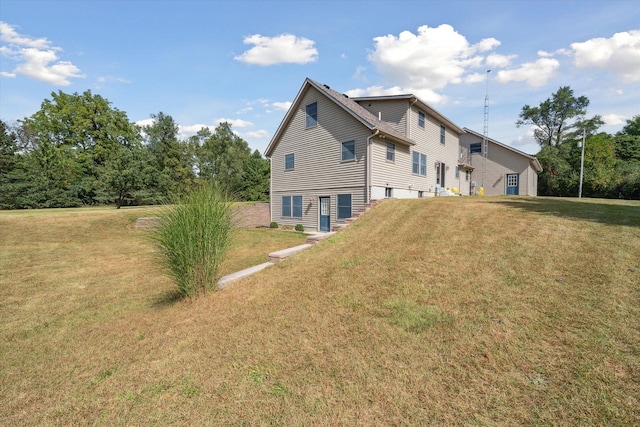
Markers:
point(613, 119)
point(7, 74)
point(281, 106)
point(235, 123)
point(36, 58)
point(428, 60)
point(258, 134)
point(9, 35)
point(535, 74)
point(619, 53)
point(188, 130)
point(285, 48)
point(499, 61)
point(145, 122)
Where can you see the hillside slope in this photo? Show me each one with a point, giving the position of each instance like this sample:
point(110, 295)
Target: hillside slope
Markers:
point(446, 311)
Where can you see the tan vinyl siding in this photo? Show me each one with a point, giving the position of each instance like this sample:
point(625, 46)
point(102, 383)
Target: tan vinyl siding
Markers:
point(317, 150)
point(427, 141)
point(393, 112)
point(501, 161)
point(399, 175)
point(310, 203)
point(319, 169)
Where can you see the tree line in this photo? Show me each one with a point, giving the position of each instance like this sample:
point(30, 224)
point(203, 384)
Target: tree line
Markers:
point(611, 162)
point(78, 150)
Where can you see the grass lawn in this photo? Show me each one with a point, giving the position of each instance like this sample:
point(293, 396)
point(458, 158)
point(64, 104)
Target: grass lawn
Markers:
point(483, 311)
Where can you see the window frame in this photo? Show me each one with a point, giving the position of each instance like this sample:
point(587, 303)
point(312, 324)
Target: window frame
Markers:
point(353, 153)
point(341, 206)
point(419, 163)
point(457, 172)
point(443, 134)
point(292, 156)
point(391, 152)
point(287, 213)
point(422, 119)
point(294, 206)
point(311, 116)
point(388, 192)
point(473, 148)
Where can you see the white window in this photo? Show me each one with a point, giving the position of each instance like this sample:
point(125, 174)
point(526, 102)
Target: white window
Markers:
point(388, 193)
point(419, 163)
point(312, 114)
point(443, 132)
point(348, 151)
point(421, 119)
point(289, 162)
point(391, 152)
point(344, 206)
point(292, 206)
point(457, 172)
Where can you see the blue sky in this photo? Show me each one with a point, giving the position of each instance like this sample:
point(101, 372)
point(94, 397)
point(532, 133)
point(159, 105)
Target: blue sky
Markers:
point(244, 61)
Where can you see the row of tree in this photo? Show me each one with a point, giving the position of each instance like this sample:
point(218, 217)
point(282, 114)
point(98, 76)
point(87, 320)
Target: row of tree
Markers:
point(611, 162)
point(79, 150)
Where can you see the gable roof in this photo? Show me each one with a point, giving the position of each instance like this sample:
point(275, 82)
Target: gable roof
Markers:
point(533, 159)
point(356, 110)
point(421, 105)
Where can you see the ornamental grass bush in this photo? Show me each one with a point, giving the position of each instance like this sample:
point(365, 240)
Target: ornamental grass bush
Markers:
point(193, 237)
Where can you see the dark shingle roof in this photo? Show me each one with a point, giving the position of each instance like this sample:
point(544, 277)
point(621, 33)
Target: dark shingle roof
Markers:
point(361, 113)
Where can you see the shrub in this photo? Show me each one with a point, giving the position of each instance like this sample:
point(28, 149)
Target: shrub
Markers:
point(193, 237)
point(299, 227)
point(273, 224)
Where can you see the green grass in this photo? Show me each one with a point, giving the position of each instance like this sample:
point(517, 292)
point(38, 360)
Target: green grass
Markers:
point(480, 311)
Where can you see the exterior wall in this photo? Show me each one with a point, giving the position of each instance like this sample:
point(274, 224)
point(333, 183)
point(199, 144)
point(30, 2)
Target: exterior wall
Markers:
point(500, 162)
point(310, 219)
point(318, 169)
point(398, 175)
point(393, 112)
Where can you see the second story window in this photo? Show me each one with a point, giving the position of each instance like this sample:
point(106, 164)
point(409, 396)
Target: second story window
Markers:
point(391, 152)
point(289, 161)
point(348, 151)
point(421, 119)
point(476, 147)
point(312, 114)
point(443, 132)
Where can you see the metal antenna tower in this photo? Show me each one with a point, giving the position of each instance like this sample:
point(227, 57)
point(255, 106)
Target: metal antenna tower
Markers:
point(485, 134)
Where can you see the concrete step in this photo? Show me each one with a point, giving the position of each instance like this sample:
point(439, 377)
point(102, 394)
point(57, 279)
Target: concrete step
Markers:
point(286, 253)
point(230, 278)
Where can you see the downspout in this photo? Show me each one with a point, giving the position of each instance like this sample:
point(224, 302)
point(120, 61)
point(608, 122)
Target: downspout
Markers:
point(368, 168)
point(270, 191)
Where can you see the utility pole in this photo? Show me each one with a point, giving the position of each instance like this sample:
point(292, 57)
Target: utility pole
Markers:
point(485, 139)
point(582, 162)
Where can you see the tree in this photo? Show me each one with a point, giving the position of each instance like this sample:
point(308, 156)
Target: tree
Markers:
point(122, 174)
point(8, 161)
point(628, 141)
point(169, 167)
point(222, 159)
point(68, 141)
point(255, 180)
point(551, 116)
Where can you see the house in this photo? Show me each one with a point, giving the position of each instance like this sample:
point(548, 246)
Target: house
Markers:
point(508, 171)
point(333, 154)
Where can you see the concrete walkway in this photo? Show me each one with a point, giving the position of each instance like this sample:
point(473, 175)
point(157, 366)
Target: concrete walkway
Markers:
point(273, 258)
point(314, 237)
